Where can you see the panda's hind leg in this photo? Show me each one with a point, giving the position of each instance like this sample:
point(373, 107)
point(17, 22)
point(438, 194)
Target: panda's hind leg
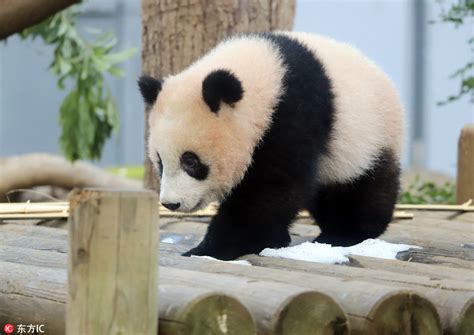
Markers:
point(349, 213)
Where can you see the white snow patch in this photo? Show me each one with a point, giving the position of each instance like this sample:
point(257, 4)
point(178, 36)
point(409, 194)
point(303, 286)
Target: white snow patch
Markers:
point(169, 240)
point(311, 252)
point(325, 253)
point(241, 261)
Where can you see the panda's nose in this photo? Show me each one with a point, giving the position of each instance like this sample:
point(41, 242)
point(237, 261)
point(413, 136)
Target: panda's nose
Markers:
point(171, 206)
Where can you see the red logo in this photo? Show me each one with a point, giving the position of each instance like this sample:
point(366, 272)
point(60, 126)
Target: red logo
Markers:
point(9, 328)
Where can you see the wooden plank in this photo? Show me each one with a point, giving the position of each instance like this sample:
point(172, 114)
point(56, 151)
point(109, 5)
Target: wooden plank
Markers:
point(465, 173)
point(112, 275)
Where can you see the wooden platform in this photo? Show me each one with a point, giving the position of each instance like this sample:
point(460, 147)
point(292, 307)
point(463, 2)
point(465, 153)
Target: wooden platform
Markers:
point(427, 291)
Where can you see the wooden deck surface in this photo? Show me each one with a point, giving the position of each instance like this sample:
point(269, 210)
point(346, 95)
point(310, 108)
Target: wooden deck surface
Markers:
point(425, 291)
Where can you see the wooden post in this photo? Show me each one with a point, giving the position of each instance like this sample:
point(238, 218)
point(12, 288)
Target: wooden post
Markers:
point(465, 177)
point(112, 266)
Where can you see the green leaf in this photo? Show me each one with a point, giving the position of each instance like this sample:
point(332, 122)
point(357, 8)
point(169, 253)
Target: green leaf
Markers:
point(115, 71)
point(120, 56)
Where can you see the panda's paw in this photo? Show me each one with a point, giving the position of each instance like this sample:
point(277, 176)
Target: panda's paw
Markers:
point(197, 251)
point(224, 255)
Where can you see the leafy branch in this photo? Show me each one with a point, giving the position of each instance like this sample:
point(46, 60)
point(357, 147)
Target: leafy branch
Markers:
point(88, 114)
point(458, 14)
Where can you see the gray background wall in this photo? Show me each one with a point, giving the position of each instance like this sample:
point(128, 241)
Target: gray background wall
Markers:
point(418, 57)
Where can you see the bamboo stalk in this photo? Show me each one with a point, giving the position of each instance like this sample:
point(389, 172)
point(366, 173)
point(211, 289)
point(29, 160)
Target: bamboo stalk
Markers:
point(465, 207)
point(42, 210)
point(32, 216)
point(45, 210)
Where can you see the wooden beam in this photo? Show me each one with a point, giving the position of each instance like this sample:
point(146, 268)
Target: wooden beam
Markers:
point(112, 277)
point(465, 174)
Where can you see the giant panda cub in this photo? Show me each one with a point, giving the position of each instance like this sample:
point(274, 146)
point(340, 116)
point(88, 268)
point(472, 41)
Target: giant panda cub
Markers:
point(269, 124)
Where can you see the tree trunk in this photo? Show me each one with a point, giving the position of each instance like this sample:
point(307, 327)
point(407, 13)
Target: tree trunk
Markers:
point(16, 15)
point(177, 32)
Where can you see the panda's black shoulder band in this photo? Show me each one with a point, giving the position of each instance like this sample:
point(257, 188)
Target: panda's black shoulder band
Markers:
point(221, 85)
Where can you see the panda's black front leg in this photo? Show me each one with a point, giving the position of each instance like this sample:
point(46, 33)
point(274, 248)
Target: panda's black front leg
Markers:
point(247, 225)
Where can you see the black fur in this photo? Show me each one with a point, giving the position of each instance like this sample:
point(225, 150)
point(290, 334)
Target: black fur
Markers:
point(350, 213)
point(149, 88)
point(282, 179)
point(160, 165)
point(221, 85)
point(193, 166)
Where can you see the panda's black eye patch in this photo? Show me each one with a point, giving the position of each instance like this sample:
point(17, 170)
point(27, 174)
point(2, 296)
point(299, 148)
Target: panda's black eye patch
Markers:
point(160, 164)
point(193, 166)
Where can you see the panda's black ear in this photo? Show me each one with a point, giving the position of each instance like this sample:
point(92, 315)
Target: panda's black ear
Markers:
point(221, 85)
point(150, 88)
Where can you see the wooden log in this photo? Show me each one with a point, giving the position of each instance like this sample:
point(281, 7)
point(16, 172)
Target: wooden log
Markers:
point(450, 296)
point(448, 285)
point(372, 308)
point(112, 272)
point(284, 311)
point(37, 295)
point(337, 286)
point(190, 310)
point(37, 243)
point(431, 271)
point(465, 173)
point(35, 231)
point(440, 246)
point(33, 295)
point(26, 256)
point(190, 233)
point(465, 321)
point(278, 308)
point(23, 253)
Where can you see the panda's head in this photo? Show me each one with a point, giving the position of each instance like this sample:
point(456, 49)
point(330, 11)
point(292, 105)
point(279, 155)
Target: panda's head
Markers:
point(198, 141)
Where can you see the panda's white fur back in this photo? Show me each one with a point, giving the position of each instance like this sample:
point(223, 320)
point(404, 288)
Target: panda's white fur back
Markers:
point(368, 113)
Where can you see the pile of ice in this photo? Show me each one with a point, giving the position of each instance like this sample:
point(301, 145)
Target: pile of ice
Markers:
point(325, 253)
